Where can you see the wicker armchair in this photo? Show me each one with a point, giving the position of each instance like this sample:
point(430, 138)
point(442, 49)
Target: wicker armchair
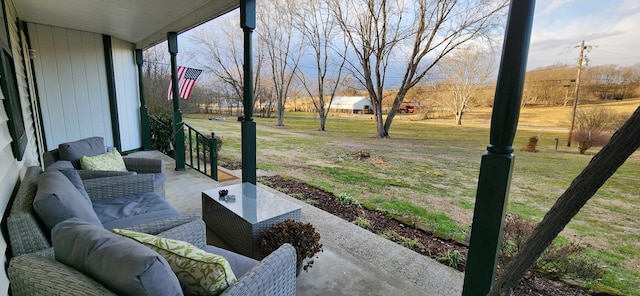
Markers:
point(133, 164)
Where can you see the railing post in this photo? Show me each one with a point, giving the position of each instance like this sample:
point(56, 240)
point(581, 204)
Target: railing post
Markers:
point(214, 156)
point(198, 141)
point(497, 163)
point(178, 124)
point(190, 145)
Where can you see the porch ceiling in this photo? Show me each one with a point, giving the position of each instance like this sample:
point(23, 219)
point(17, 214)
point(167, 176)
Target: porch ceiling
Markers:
point(142, 22)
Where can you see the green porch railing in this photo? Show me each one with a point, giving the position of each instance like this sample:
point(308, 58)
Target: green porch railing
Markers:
point(204, 149)
point(201, 152)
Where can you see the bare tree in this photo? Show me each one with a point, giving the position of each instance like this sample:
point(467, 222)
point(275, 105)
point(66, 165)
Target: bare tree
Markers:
point(220, 52)
point(318, 26)
point(623, 143)
point(466, 71)
point(418, 36)
point(630, 81)
point(276, 31)
point(550, 85)
point(156, 79)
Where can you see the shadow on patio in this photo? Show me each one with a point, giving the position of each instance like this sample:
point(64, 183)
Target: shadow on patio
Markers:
point(354, 262)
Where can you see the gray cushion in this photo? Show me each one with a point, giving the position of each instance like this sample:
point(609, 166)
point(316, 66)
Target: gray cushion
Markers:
point(120, 264)
point(73, 151)
point(74, 178)
point(60, 165)
point(67, 169)
point(239, 264)
point(130, 210)
point(57, 200)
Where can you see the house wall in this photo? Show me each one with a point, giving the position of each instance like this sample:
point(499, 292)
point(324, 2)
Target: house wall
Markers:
point(126, 80)
point(11, 170)
point(71, 78)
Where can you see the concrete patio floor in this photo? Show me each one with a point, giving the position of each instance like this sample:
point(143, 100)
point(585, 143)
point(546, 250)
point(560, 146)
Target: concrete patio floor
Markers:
point(354, 262)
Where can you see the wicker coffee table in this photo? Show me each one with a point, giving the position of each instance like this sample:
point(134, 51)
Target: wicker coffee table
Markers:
point(239, 217)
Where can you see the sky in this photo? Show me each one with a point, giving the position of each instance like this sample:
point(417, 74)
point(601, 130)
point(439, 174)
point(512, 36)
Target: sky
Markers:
point(611, 28)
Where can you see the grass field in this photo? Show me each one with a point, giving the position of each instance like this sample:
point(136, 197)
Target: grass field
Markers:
point(428, 171)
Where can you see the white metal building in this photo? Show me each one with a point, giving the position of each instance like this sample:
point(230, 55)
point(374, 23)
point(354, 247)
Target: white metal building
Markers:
point(351, 105)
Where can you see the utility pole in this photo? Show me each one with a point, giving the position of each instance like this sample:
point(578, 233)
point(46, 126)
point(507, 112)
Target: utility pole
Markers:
point(581, 61)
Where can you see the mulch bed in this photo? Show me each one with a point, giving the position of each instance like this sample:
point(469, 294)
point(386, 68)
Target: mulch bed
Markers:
point(434, 247)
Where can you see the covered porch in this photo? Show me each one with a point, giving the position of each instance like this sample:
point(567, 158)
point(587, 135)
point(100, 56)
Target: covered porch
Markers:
point(354, 262)
point(78, 72)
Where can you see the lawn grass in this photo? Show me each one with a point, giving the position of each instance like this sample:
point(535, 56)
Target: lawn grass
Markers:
point(429, 170)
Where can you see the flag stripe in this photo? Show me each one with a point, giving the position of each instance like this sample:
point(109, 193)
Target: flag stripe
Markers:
point(186, 80)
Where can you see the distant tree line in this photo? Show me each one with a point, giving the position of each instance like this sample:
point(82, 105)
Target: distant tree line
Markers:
point(555, 85)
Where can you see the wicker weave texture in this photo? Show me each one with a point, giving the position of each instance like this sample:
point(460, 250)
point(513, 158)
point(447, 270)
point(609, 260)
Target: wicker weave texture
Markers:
point(239, 233)
point(25, 233)
point(192, 232)
point(143, 165)
point(274, 275)
point(92, 174)
point(39, 274)
point(119, 185)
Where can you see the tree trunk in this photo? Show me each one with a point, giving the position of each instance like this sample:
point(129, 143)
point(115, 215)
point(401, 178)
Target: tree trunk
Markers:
point(323, 119)
point(623, 143)
point(280, 111)
point(459, 117)
point(381, 131)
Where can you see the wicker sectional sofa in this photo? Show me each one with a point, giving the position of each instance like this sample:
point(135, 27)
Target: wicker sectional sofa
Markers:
point(33, 269)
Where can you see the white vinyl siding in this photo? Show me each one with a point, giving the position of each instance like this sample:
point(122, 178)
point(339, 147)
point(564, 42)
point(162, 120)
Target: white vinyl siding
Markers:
point(126, 81)
point(11, 170)
point(72, 84)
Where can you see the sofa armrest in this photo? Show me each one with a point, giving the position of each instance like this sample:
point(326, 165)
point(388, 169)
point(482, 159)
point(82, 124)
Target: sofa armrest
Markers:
point(193, 232)
point(92, 174)
point(143, 165)
point(39, 274)
point(25, 234)
point(109, 187)
point(274, 275)
point(51, 156)
point(165, 225)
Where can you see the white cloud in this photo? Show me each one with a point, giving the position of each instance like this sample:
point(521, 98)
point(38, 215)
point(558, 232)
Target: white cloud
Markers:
point(611, 27)
point(550, 6)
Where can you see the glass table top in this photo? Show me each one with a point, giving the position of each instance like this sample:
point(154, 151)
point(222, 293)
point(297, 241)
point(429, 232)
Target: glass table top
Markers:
point(252, 203)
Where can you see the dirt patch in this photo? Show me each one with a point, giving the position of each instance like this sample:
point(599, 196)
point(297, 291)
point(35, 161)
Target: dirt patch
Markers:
point(379, 162)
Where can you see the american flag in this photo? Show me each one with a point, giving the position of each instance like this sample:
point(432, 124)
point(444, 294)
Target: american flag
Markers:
point(186, 80)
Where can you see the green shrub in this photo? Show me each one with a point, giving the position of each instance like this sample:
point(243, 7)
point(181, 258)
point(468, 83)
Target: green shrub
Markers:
point(594, 127)
point(362, 222)
point(515, 233)
point(451, 258)
point(347, 199)
point(559, 259)
point(392, 236)
point(413, 244)
point(297, 195)
point(568, 259)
